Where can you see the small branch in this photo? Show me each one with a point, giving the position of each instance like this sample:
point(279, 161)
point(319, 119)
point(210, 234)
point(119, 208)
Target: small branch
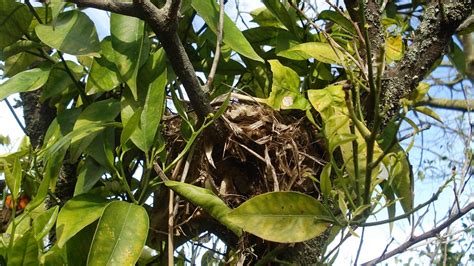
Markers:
point(18, 121)
point(449, 104)
point(217, 54)
point(171, 228)
point(432, 233)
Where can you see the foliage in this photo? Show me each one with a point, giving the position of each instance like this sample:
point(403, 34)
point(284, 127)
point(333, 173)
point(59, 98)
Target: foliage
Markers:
point(127, 130)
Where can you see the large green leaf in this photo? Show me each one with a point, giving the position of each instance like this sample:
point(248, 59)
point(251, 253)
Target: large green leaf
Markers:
point(320, 51)
point(153, 80)
point(24, 251)
point(77, 248)
point(13, 177)
point(44, 222)
point(98, 113)
point(265, 18)
point(28, 80)
point(14, 21)
point(120, 235)
point(89, 173)
point(284, 217)
point(76, 214)
point(131, 47)
point(285, 88)
point(282, 13)
point(18, 57)
point(209, 11)
point(103, 75)
point(73, 33)
point(400, 176)
point(339, 19)
point(59, 81)
point(205, 199)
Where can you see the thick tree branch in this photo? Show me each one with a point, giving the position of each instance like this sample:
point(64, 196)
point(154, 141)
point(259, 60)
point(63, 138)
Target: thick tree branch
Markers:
point(450, 104)
point(112, 6)
point(439, 23)
point(372, 18)
point(415, 239)
point(164, 23)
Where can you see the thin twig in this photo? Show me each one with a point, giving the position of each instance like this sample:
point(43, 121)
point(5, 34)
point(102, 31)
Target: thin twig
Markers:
point(217, 54)
point(360, 246)
point(18, 121)
point(171, 228)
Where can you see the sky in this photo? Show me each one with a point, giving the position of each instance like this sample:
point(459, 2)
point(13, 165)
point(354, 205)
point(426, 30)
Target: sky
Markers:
point(376, 237)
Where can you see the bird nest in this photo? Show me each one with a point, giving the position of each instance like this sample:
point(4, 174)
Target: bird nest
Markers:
point(265, 151)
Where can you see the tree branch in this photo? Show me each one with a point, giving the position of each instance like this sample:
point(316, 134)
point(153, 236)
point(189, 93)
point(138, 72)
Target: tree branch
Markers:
point(415, 239)
point(450, 104)
point(112, 6)
point(164, 23)
point(439, 23)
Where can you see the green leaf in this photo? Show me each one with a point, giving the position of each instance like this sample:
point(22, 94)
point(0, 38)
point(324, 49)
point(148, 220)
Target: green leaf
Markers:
point(77, 248)
point(153, 80)
point(53, 257)
point(281, 13)
point(209, 11)
point(130, 127)
point(327, 100)
point(76, 214)
point(457, 57)
point(14, 21)
point(98, 114)
point(103, 75)
point(73, 33)
point(420, 91)
point(59, 81)
point(41, 194)
point(429, 112)
point(394, 48)
point(56, 8)
point(89, 173)
point(18, 57)
point(325, 180)
point(320, 51)
point(283, 217)
point(205, 199)
point(24, 251)
point(120, 235)
point(400, 176)
point(131, 47)
point(339, 19)
point(265, 18)
point(285, 88)
point(29, 80)
point(13, 178)
point(44, 222)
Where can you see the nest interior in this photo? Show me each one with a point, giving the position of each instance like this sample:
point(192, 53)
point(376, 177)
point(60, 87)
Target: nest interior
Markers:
point(265, 151)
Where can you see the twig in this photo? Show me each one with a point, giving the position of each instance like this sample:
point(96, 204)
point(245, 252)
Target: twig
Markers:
point(432, 233)
point(160, 172)
point(360, 246)
point(171, 228)
point(217, 54)
point(18, 121)
point(423, 127)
